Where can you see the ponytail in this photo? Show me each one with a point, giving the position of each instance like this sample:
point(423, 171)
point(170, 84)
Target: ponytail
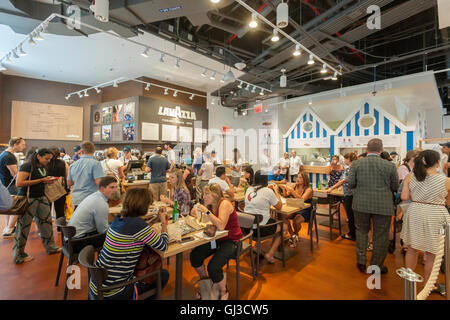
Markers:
point(425, 160)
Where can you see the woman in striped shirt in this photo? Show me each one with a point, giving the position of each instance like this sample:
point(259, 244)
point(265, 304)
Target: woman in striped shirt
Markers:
point(124, 243)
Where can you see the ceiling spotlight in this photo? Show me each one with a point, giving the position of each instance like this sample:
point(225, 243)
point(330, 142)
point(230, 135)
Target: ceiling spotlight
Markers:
point(67, 97)
point(80, 95)
point(229, 76)
point(115, 84)
point(21, 52)
point(247, 87)
point(297, 50)
point(177, 64)
point(215, 1)
point(244, 113)
point(15, 54)
point(213, 76)
point(283, 79)
point(191, 97)
point(240, 65)
point(204, 72)
point(212, 102)
point(98, 90)
point(254, 89)
point(38, 36)
point(147, 87)
point(275, 36)
point(175, 93)
point(310, 102)
point(86, 93)
point(166, 91)
point(161, 59)
point(267, 110)
point(31, 41)
point(262, 92)
point(145, 53)
point(334, 77)
point(253, 23)
point(282, 15)
point(311, 59)
point(324, 68)
point(240, 85)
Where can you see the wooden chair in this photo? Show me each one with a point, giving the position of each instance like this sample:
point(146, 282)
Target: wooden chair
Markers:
point(332, 208)
point(245, 221)
point(69, 247)
point(99, 275)
point(258, 239)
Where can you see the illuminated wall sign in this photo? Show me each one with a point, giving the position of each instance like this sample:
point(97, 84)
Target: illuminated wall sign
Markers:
point(176, 113)
point(257, 108)
point(170, 9)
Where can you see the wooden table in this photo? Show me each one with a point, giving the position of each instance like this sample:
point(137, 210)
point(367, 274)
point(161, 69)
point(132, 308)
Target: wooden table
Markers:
point(137, 184)
point(113, 211)
point(337, 193)
point(283, 212)
point(177, 249)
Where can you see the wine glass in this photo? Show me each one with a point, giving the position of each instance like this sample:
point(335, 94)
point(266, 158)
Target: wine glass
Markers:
point(185, 210)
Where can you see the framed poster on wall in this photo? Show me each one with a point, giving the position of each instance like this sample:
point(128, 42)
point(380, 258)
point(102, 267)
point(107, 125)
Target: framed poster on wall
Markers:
point(106, 133)
point(129, 111)
point(97, 134)
point(128, 132)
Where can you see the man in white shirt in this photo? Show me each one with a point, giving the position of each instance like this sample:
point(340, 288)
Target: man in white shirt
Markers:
point(170, 155)
point(222, 180)
point(295, 163)
point(127, 155)
point(205, 173)
point(284, 165)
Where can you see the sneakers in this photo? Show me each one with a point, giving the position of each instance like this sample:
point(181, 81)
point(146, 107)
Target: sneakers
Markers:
point(8, 234)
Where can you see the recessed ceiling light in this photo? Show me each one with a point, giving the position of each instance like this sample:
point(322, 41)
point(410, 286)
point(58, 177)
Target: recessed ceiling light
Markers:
point(215, 1)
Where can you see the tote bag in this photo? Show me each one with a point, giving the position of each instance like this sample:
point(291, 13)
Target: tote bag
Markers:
point(20, 203)
point(55, 190)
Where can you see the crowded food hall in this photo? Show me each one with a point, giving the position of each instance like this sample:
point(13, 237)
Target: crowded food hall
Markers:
point(224, 150)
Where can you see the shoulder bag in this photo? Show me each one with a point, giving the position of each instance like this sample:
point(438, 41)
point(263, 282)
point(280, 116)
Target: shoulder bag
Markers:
point(149, 261)
point(20, 203)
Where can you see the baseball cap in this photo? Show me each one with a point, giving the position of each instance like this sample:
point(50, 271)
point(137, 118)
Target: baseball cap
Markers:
point(393, 152)
point(447, 144)
point(62, 150)
point(76, 148)
point(188, 161)
point(127, 149)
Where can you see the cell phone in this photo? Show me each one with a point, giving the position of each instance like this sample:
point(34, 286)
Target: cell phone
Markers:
point(54, 178)
point(187, 239)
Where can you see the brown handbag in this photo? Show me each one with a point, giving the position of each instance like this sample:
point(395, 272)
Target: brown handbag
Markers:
point(55, 190)
point(20, 203)
point(148, 261)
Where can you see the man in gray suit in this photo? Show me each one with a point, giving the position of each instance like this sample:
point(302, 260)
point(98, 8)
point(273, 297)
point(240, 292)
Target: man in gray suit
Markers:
point(374, 181)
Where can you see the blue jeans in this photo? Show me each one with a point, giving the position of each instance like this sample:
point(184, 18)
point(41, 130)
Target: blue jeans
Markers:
point(128, 292)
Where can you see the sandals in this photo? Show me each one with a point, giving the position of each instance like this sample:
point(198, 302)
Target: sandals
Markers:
point(269, 260)
point(25, 258)
point(293, 240)
point(347, 236)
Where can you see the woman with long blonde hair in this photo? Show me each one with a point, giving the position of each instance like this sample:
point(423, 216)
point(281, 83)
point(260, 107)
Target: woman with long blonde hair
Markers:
point(178, 190)
point(221, 213)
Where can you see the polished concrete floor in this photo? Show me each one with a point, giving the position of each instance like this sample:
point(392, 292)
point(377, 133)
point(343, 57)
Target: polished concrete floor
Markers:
point(328, 273)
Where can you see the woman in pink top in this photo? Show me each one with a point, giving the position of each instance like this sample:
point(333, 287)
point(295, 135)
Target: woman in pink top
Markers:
point(223, 215)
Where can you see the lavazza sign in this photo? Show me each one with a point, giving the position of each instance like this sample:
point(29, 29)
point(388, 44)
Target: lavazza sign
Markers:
point(176, 113)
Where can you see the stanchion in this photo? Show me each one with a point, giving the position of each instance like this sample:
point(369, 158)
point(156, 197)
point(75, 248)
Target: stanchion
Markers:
point(410, 278)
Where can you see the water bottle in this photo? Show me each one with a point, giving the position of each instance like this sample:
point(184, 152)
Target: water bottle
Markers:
point(175, 212)
point(319, 185)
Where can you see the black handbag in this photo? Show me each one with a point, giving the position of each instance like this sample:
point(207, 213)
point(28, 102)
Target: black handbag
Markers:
point(20, 203)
